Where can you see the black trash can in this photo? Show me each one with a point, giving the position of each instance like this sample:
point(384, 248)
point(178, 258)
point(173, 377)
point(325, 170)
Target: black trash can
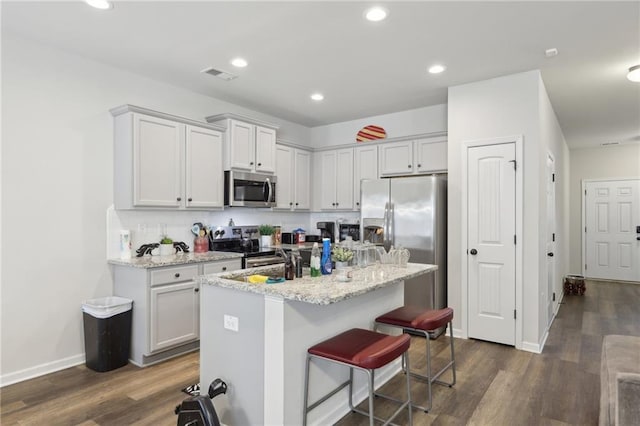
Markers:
point(107, 332)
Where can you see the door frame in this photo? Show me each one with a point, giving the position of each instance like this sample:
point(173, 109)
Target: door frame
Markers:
point(554, 303)
point(583, 238)
point(518, 141)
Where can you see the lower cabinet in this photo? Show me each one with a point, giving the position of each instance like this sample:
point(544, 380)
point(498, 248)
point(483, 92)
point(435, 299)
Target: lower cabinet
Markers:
point(166, 307)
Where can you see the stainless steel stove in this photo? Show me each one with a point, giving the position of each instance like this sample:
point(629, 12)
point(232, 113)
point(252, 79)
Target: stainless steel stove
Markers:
point(243, 239)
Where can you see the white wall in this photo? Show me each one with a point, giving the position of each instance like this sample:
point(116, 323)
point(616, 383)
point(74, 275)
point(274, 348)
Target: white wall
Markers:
point(552, 142)
point(593, 163)
point(57, 154)
point(504, 106)
point(404, 123)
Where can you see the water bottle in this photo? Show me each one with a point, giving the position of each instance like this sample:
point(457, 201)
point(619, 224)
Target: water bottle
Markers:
point(325, 263)
point(315, 261)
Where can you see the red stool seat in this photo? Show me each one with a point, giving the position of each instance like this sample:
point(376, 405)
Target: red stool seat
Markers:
point(418, 318)
point(362, 348)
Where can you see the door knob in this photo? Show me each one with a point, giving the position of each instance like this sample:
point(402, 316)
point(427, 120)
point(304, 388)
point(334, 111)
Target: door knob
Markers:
point(473, 252)
point(550, 254)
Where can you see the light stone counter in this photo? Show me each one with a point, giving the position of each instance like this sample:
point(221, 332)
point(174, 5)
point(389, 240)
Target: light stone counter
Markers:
point(176, 259)
point(322, 290)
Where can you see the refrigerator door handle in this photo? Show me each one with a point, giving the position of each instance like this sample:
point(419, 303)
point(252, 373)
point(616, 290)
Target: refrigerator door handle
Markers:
point(391, 224)
point(385, 224)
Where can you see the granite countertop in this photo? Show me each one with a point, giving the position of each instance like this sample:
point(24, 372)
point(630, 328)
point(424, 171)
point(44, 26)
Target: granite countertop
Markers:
point(322, 290)
point(176, 259)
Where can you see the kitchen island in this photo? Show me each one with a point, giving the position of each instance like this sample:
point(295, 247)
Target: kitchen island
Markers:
point(255, 337)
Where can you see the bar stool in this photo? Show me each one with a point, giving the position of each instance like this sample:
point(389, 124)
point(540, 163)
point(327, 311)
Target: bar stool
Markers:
point(423, 322)
point(364, 350)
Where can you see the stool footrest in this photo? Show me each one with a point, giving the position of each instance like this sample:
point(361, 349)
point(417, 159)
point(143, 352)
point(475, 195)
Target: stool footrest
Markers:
point(388, 421)
point(327, 396)
point(434, 379)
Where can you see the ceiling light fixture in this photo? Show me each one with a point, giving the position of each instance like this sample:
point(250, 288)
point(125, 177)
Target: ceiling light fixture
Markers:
point(437, 69)
point(317, 97)
point(634, 74)
point(239, 62)
point(100, 4)
point(376, 14)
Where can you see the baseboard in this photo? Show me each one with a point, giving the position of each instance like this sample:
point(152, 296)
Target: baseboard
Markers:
point(342, 409)
point(459, 333)
point(41, 370)
point(532, 347)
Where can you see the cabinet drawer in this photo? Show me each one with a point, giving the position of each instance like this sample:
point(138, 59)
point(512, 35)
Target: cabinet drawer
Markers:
point(222, 266)
point(173, 275)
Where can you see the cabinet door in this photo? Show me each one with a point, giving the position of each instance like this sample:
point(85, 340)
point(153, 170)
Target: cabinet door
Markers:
point(157, 162)
point(174, 315)
point(284, 173)
point(430, 156)
point(396, 158)
point(365, 167)
point(265, 150)
point(344, 176)
point(241, 145)
point(203, 168)
point(328, 180)
point(302, 167)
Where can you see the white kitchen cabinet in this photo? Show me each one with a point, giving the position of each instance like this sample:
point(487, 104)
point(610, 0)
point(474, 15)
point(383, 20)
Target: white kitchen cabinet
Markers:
point(335, 169)
point(249, 145)
point(365, 167)
point(166, 307)
point(293, 170)
point(164, 161)
point(173, 315)
point(412, 157)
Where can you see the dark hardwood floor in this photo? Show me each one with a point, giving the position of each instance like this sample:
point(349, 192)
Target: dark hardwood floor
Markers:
point(497, 385)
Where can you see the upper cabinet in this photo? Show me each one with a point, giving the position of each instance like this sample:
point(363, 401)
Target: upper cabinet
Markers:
point(293, 169)
point(335, 179)
point(164, 161)
point(365, 167)
point(412, 157)
point(249, 145)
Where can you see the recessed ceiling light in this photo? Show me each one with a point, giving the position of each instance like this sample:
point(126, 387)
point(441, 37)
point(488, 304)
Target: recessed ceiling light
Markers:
point(550, 53)
point(100, 4)
point(376, 14)
point(317, 96)
point(239, 62)
point(634, 74)
point(437, 69)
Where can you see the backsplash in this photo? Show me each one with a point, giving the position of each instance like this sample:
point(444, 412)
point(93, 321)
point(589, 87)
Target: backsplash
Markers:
point(147, 226)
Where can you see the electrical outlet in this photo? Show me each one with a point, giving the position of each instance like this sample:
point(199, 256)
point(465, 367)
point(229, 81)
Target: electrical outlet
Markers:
point(231, 323)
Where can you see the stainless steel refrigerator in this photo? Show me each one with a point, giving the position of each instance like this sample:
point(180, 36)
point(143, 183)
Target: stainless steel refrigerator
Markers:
point(410, 212)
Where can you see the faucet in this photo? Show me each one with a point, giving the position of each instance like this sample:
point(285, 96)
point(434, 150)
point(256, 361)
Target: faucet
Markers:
point(280, 252)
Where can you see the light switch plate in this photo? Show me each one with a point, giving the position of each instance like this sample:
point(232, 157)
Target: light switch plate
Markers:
point(231, 322)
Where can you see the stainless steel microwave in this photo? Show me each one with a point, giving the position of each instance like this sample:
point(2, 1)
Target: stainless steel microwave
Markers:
point(249, 189)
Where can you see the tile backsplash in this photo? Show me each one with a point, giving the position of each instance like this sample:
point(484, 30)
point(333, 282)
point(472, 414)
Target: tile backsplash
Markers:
point(146, 226)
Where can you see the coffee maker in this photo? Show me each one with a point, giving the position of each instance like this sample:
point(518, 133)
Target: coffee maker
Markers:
point(327, 230)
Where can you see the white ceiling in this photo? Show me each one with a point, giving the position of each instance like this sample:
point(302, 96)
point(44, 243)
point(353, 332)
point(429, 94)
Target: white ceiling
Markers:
point(363, 68)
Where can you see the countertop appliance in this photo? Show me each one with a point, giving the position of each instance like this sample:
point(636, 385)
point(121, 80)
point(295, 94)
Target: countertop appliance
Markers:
point(243, 239)
point(327, 230)
point(410, 212)
point(249, 189)
point(349, 229)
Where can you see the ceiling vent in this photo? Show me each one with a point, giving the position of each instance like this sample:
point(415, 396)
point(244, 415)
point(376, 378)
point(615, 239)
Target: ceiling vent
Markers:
point(219, 73)
point(609, 143)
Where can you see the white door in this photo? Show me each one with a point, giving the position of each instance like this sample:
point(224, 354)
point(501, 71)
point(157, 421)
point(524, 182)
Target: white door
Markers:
point(551, 236)
point(328, 180)
point(242, 149)
point(158, 159)
point(174, 315)
point(302, 185)
point(396, 159)
point(430, 156)
point(491, 246)
point(284, 173)
point(204, 178)
point(612, 217)
point(265, 150)
point(365, 167)
point(344, 179)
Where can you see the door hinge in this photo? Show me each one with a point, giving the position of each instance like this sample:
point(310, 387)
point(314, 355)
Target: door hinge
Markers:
point(585, 192)
point(515, 164)
point(585, 266)
point(514, 240)
point(553, 236)
point(514, 314)
point(554, 296)
point(553, 177)
point(585, 229)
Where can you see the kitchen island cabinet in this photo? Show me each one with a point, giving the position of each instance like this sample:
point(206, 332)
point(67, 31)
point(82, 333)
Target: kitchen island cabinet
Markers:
point(255, 337)
point(166, 301)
